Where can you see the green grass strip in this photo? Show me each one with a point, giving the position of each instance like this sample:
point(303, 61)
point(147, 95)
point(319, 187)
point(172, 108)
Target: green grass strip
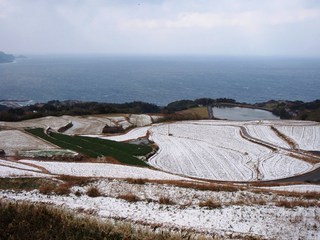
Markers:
point(94, 147)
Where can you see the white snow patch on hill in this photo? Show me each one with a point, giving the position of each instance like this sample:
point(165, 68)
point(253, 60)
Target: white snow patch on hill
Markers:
point(135, 133)
point(102, 170)
point(12, 141)
point(9, 172)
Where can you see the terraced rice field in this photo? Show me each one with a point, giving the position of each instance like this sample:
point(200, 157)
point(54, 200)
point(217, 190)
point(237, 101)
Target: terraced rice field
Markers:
point(217, 150)
point(85, 125)
point(94, 147)
point(306, 137)
point(13, 141)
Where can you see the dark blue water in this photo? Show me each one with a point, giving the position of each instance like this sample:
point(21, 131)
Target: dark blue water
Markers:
point(159, 80)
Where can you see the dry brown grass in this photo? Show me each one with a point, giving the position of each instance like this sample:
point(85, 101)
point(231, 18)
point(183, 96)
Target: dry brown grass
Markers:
point(248, 202)
point(31, 221)
point(304, 158)
point(291, 143)
point(93, 192)
point(74, 180)
point(166, 201)
point(305, 195)
point(62, 189)
point(223, 187)
point(199, 112)
point(129, 197)
point(297, 203)
point(46, 189)
point(140, 181)
point(210, 204)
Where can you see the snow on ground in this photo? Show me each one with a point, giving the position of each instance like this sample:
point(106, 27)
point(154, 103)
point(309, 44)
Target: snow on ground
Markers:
point(156, 118)
point(13, 141)
point(17, 165)
point(307, 137)
point(265, 133)
point(6, 171)
point(282, 166)
point(50, 121)
point(266, 221)
point(102, 170)
point(85, 125)
point(140, 120)
point(135, 133)
point(296, 188)
point(209, 149)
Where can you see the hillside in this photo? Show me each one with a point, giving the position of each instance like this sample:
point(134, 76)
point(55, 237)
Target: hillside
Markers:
point(6, 58)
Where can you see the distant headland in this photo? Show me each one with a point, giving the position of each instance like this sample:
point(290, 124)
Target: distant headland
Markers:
point(6, 58)
point(9, 58)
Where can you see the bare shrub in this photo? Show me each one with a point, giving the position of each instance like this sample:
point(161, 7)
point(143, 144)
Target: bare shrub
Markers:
point(129, 197)
point(311, 195)
point(135, 180)
point(229, 187)
point(75, 180)
point(259, 202)
point(297, 203)
point(78, 193)
point(210, 204)
point(62, 189)
point(46, 189)
point(93, 192)
point(166, 200)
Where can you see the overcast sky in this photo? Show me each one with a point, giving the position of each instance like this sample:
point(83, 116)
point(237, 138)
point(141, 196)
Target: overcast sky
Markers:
point(211, 27)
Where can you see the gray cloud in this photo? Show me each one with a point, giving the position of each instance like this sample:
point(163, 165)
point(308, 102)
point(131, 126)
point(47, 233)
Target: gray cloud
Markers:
point(233, 27)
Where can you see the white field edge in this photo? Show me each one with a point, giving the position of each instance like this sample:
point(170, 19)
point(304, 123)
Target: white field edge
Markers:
point(102, 170)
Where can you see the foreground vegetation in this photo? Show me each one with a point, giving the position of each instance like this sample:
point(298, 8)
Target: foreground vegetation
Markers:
point(29, 221)
point(93, 147)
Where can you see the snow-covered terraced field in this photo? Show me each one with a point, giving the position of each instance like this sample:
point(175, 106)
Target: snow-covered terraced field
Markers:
point(140, 120)
point(13, 141)
point(307, 137)
point(282, 166)
point(265, 133)
point(216, 150)
point(102, 170)
point(8, 172)
point(135, 133)
point(86, 125)
point(53, 122)
point(17, 165)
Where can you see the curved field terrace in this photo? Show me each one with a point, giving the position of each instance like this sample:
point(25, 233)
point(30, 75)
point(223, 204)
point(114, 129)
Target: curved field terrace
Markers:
point(218, 150)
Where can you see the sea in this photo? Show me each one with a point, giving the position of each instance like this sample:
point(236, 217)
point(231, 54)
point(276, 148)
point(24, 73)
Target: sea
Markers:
point(159, 79)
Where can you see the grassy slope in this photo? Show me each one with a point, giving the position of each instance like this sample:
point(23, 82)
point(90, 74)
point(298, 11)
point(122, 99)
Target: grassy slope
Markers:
point(200, 112)
point(29, 221)
point(94, 147)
